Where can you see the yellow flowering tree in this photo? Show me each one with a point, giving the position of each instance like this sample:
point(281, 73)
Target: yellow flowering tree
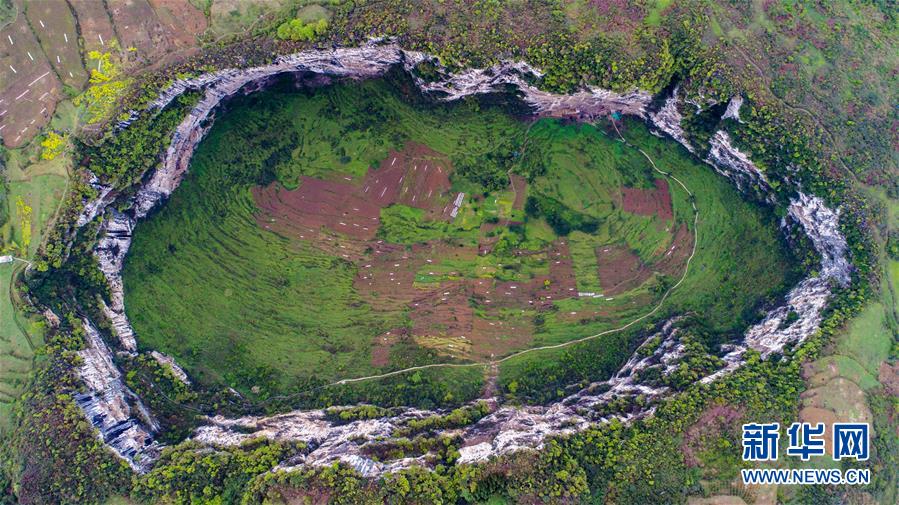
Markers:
point(52, 145)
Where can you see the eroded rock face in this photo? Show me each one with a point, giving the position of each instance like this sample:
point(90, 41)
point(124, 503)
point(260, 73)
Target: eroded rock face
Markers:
point(668, 119)
point(736, 166)
point(733, 109)
point(111, 251)
point(123, 422)
point(95, 207)
point(800, 315)
point(507, 428)
point(822, 226)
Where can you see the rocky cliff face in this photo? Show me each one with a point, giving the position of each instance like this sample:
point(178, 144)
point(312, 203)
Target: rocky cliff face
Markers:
point(736, 166)
point(668, 119)
point(122, 421)
point(110, 251)
point(507, 428)
point(801, 313)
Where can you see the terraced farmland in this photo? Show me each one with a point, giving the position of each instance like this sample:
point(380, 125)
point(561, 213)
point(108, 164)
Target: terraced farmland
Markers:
point(350, 230)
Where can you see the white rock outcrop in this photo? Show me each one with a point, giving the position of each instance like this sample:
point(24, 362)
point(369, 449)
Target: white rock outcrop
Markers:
point(123, 422)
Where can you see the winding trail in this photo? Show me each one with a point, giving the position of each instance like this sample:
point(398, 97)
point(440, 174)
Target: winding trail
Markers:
point(492, 365)
point(570, 342)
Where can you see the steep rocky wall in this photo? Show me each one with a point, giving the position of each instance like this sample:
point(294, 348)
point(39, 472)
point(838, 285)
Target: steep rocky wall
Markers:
point(507, 428)
point(805, 303)
point(121, 419)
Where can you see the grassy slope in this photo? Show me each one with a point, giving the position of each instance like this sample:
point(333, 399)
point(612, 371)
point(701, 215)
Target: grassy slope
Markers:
point(41, 184)
point(16, 346)
point(739, 260)
point(232, 301)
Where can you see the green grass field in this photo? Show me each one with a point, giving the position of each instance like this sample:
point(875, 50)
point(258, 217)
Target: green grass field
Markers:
point(739, 262)
point(243, 306)
point(19, 338)
point(41, 185)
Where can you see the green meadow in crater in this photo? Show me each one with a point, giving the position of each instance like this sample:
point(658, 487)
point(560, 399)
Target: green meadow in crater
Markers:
point(354, 229)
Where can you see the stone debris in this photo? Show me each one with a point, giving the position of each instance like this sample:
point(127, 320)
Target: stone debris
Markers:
point(168, 361)
point(94, 207)
point(668, 119)
point(110, 406)
point(52, 318)
point(733, 109)
point(110, 252)
point(736, 166)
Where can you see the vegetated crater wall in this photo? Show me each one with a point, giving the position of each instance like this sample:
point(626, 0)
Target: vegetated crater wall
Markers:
point(128, 427)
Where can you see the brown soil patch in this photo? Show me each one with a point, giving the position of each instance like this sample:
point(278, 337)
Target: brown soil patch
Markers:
point(621, 270)
point(441, 313)
point(491, 338)
point(318, 204)
point(816, 415)
point(648, 202)
point(29, 88)
point(184, 20)
point(716, 500)
point(713, 421)
point(519, 186)
point(674, 258)
point(889, 376)
point(386, 278)
point(306, 495)
point(381, 345)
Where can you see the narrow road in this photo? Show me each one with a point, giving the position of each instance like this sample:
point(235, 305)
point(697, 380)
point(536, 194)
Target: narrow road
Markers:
point(571, 342)
point(14, 302)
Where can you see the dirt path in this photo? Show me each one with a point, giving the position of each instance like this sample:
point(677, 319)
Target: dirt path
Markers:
point(495, 363)
point(15, 302)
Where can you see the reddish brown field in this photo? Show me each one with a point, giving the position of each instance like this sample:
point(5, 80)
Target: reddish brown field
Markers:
point(317, 204)
point(648, 202)
point(381, 345)
point(620, 270)
point(184, 20)
point(96, 28)
point(138, 25)
point(53, 23)
point(714, 421)
point(519, 187)
point(417, 176)
point(29, 88)
point(474, 318)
